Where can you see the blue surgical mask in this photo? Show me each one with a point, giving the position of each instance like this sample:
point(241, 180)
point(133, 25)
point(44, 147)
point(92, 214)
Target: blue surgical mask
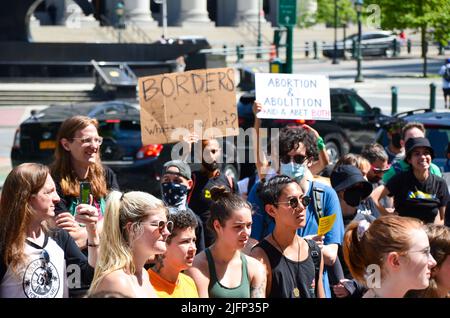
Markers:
point(174, 194)
point(293, 170)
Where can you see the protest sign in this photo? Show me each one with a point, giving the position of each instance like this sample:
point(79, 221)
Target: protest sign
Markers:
point(175, 104)
point(293, 96)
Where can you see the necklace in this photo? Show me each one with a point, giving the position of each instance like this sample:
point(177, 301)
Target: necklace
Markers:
point(295, 291)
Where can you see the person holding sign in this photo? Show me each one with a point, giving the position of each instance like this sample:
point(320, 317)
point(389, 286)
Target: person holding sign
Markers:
point(298, 149)
point(293, 265)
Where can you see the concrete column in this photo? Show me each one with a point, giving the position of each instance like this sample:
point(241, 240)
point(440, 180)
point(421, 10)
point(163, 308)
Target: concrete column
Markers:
point(248, 11)
point(138, 11)
point(194, 12)
point(75, 17)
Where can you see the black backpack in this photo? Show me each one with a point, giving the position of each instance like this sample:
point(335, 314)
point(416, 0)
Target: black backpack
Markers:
point(446, 74)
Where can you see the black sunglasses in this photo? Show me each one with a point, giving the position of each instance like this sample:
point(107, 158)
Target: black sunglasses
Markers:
point(293, 202)
point(48, 273)
point(297, 159)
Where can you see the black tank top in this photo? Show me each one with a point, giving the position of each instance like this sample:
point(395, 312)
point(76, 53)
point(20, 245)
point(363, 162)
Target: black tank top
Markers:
point(284, 270)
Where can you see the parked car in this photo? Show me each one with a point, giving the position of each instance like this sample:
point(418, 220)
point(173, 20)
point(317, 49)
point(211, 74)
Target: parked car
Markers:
point(437, 127)
point(377, 43)
point(353, 122)
point(138, 166)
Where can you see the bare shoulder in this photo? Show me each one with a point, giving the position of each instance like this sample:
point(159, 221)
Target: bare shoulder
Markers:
point(199, 272)
point(117, 281)
point(255, 266)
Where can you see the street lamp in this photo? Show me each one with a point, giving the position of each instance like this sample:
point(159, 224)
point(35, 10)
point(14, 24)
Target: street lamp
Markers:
point(335, 60)
point(358, 6)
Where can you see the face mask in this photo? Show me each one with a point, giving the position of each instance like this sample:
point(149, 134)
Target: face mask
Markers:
point(174, 194)
point(352, 197)
point(293, 170)
point(396, 140)
point(374, 179)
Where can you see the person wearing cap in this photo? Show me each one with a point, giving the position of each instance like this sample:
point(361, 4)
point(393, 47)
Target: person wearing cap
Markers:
point(176, 182)
point(352, 189)
point(445, 82)
point(417, 193)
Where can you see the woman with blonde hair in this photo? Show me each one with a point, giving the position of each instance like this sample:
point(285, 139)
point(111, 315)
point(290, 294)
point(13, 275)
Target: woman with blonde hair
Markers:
point(390, 256)
point(33, 257)
point(135, 230)
point(77, 159)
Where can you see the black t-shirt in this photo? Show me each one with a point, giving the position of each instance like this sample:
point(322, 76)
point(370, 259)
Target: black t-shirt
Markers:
point(67, 202)
point(368, 207)
point(200, 197)
point(420, 200)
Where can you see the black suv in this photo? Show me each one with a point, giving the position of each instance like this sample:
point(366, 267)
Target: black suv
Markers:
point(138, 167)
point(353, 122)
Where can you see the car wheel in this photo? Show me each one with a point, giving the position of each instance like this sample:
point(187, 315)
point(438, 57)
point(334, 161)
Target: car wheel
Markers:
point(231, 171)
point(333, 151)
point(389, 53)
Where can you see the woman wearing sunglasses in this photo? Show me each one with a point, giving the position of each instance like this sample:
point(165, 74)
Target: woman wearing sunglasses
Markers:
point(77, 159)
point(294, 265)
point(135, 230)
point(390, 256)
point(222, 270)
point(37, 261)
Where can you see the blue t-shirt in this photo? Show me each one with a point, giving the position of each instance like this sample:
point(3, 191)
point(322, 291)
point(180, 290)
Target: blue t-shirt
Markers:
point(263, 224)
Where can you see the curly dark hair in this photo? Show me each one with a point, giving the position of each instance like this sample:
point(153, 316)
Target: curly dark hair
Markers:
point(290, 137)
point(183, 219)
point(270, 191)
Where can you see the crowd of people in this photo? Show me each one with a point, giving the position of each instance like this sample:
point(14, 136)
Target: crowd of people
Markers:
point(371, 225)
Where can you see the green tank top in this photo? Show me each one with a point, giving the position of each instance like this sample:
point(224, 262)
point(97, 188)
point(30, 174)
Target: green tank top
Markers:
point(217, 290)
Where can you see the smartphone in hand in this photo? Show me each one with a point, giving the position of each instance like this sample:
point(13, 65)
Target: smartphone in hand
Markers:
point(85, 191)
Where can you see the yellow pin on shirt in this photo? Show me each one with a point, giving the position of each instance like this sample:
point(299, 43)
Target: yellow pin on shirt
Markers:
point(325, 224)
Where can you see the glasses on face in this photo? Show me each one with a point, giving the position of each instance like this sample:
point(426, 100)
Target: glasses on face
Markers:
point(90, 140)
point(426, 251)
point(380, 170)
point(161, 225)
point(299, 159)
point(47, 275)
point(293, 202)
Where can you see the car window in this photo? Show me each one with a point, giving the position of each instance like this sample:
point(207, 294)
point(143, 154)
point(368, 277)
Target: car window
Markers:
point(439, 139)
point(358, 106)
point(339, 104)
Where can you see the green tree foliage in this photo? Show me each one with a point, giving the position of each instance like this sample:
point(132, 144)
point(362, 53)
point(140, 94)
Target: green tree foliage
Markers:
point(430, 17)
point(325, 12)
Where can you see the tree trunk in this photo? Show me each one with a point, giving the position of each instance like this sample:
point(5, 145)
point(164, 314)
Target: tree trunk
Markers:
point(424, 49)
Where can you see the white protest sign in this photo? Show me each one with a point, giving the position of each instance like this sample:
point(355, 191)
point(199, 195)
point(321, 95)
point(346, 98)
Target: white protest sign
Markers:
point(293, 96)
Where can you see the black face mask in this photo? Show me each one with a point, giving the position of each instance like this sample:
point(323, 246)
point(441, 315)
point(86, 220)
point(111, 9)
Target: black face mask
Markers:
point(374, 179)
point(396, 140)
point(352, 197)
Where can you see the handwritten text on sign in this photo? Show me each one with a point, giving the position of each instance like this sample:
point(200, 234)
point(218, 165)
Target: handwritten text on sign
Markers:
point(293, 96)
point(170, 102)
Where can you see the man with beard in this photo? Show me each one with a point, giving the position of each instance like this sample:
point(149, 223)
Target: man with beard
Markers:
point(199, 199)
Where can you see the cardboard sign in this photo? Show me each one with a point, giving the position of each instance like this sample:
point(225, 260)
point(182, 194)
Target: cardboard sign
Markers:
point(325, 224)
point(176, 104)
point(293, 96)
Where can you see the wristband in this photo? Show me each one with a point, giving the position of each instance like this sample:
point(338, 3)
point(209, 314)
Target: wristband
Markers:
point(320, 144)
point(92, 244)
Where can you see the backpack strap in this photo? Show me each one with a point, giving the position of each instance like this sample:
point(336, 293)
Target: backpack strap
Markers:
point(318, 207)
point(316, 254)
